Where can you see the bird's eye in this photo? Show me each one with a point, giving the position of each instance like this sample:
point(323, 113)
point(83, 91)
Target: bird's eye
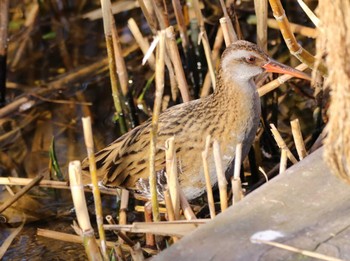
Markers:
point(250, 59)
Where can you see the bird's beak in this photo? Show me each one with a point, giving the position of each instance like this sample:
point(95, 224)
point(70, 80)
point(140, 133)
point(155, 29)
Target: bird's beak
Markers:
point(276, 67)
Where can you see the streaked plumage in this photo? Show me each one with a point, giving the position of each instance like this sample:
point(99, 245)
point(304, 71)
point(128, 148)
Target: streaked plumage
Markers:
point(230, 115)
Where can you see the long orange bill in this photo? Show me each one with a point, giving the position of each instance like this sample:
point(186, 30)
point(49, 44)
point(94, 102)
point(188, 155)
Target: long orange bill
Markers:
point(276, 67)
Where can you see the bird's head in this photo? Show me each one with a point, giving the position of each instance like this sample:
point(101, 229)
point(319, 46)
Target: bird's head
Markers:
point(243, 60)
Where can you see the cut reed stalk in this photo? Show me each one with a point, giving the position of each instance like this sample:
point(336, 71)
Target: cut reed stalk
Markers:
point(298, 139)
point(292, 44)
point(279, 81)
point(281, 144)
point(237, 191)
point(159, 79)
point(229, 35)
point(176, 59)
point(89, 143)
point(150, 240)
point(169, 209)
point(141, 41)
point(222, 183)
point(152, 23)
point(261, 24)
point(8, 203)
point(283, 161)
point(124, 200)
point(172, 176)
point(186, 208)
point(208, 184)
point(78, 196)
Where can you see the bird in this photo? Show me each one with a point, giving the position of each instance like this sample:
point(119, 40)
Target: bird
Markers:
point(230, 115)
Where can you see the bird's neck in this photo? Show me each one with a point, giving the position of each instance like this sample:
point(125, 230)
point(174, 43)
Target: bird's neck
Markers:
point(229, 86)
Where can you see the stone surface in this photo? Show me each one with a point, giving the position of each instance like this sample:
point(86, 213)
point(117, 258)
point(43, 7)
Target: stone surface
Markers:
point(307, 204)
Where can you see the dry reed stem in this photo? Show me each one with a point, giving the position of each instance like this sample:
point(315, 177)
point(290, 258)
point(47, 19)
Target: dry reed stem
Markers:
point(176, 59)
point(288, 36)
point(142, 209)
point(314, 19)
point(8, 241)
point(281, 144)
point(279, 81)
point(229, 36)
point(261, 24)
point(215, 54)
point(124, 200)
point(238, 161)
point(181, 23)
point(150, 240)
point(78, 196)
point(283, 161)
point(149, 18)
point(136, 252)
point(116, 93)
point(141, 41)
point(89, 143)
point(20, 193)
point(237, 192)
point(159, 79)
point(67, 237)
point(172, 175)
point(222, 183)
point(298, 139)
point(186, 208)
point(208, 184)
point(119, 59)
point(297, 250)
point(124, 237)
point(204, 39)
point(169, 209)
point(178, 228)
point(334, 40)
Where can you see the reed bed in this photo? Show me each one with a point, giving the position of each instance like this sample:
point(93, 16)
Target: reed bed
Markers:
point(181, 52)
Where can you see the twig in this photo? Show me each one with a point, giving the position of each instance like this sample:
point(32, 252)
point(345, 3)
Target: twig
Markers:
point(181, 23)
point(210, 196)
point(281, 144)
point(159, 79)
point(4, 19)
point(298, 139)
point(297, 250)
point(222, 183)
point(20, 193)
point(89, 143)
point(7, 242)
